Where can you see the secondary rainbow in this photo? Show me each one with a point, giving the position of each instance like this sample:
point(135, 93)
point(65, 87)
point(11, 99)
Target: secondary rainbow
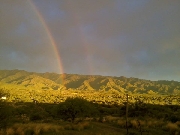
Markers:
point(85, 44)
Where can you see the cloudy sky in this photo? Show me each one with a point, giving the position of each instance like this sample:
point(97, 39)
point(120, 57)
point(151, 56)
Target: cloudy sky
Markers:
point(132, 38)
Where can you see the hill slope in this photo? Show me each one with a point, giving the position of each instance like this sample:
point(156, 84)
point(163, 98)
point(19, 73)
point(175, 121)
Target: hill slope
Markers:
point(19, 79)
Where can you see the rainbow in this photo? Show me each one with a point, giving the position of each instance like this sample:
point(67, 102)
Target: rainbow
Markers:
point(85, 44)
point(49, 35)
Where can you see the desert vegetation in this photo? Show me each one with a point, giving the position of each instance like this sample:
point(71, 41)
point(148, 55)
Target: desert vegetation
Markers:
point(79, 116)
point(32, 104)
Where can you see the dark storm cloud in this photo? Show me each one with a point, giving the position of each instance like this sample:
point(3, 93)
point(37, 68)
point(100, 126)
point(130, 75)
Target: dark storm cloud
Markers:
point(108, 37)
point(23, 41)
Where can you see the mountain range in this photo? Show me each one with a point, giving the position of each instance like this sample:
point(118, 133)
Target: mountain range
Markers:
point(20, 79)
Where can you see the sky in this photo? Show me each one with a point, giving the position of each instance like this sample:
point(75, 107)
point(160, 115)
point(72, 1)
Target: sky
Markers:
point(131, 38)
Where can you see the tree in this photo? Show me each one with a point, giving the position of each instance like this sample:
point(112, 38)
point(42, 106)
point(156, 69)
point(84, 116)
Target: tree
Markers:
point(75, 108)
point(3, 93)
point(5, 110)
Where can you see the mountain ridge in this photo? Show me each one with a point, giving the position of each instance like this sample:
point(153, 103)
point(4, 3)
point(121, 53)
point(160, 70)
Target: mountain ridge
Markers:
point(53, 81)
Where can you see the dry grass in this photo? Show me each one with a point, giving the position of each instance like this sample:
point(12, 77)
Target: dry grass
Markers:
point(148, 123)
point(10, 131)
point(134, 123)
point(34, 128)
point(172, 126)
point(79, 126)
point(151, 123)
point(142, 123)
point(111, 118)
point(178, 123)
point(121, 122)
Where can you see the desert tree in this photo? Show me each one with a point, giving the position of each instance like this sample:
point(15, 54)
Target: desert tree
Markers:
point(75, 108)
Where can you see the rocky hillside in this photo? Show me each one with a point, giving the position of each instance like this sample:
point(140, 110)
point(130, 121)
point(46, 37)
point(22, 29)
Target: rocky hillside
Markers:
point(19, 79)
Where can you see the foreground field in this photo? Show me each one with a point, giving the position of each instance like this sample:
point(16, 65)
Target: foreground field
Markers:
point(112, 126)
point(78, 116)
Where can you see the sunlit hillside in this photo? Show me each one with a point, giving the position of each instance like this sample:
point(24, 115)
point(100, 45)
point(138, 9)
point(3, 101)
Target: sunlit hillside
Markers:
point(47, 103)
point(19, 79)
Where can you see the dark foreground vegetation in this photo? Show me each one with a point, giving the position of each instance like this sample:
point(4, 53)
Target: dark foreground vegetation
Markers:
point(79, 116)
point(69, 104)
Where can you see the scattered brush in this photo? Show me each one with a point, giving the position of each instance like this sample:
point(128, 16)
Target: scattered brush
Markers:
point(178, 123)
point(33, 128)
point(121, 123)
point(79, 126)
point(111, 118)
point(134, 123)
point(10, 131)
point(172, 126)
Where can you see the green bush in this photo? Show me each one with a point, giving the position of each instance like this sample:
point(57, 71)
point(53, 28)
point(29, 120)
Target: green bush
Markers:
point(50, 109)
point(174, 118)
point(75, 108)
point(36, 116)
point(6, 112)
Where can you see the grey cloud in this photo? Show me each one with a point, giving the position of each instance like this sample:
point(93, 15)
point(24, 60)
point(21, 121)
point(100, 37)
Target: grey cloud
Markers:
point(139, 39)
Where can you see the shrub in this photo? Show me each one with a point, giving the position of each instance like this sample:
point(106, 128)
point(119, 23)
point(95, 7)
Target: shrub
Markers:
point(33, 129)
point(10, 131)
point(174, 118)
point(36, 116)
point(172, 126)
point(111, 118)
point(78, 126)
point(121, 123)
point(134, 123)
point(75, 108)
point(37, 113)
point(6, 112)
